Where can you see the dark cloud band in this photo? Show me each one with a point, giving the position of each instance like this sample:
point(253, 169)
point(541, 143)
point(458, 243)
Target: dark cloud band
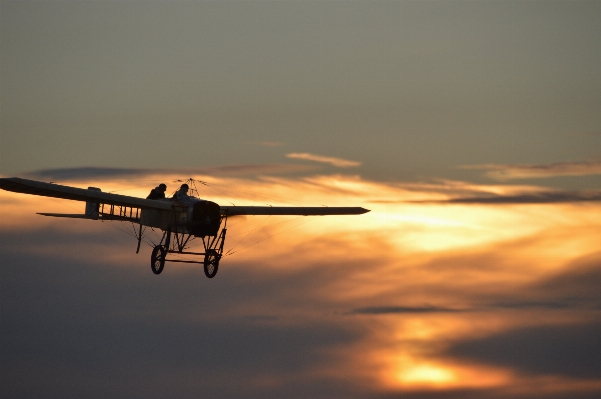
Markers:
point(539, 198)
point(90, 172)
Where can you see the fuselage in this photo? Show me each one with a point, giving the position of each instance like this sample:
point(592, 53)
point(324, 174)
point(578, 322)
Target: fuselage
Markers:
point(194, 216)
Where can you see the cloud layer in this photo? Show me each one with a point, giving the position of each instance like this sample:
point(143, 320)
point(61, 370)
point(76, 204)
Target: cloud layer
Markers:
point(548, 197)
point(72, 174)
point(338, 162)
point(411, 299)
point(509, 172)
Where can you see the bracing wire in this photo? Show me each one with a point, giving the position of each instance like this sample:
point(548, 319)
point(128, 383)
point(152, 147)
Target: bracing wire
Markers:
point(255, 194)
point(129, 233)
point(266, 238)
point(64, 204)
point(266, 226)
point(208, 187)
point(263, 221)
point(223, 193)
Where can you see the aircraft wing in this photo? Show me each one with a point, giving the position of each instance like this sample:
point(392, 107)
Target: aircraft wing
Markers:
point(33, 187)
point(292, 210)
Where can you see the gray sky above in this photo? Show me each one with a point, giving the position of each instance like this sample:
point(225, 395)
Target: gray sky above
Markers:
point(411, 90)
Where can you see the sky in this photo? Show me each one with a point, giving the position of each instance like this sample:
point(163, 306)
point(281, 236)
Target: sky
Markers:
point(470, 129)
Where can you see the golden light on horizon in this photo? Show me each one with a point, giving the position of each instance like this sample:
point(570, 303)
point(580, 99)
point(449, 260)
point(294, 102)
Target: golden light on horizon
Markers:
point(406, 372)
point(427, 375)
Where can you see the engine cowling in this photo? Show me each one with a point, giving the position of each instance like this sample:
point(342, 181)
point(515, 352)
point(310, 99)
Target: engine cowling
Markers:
point(206, 219)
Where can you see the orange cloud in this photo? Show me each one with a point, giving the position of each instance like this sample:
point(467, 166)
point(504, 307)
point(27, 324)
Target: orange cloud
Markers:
point(509, 172)
point(338, 162)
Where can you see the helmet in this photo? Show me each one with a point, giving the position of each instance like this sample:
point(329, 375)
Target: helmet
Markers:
point(162, 186)
point(184, 186)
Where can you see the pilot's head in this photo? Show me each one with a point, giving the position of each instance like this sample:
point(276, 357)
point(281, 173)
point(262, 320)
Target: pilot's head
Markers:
point(162, 187)
point(184, 187)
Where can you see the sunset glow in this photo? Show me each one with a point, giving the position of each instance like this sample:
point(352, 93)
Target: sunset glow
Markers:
point(470, 130)
point(420, 277)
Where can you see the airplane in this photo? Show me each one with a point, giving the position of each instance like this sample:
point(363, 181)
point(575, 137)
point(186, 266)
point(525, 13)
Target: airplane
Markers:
point(179, 221)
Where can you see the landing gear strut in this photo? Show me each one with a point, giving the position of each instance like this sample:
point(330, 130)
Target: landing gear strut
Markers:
point(213, 250)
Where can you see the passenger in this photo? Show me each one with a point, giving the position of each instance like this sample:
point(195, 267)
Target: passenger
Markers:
point(182, 193)
point(157, 192)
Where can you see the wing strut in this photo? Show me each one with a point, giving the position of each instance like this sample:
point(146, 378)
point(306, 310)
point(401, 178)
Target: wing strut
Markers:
point(139, 237)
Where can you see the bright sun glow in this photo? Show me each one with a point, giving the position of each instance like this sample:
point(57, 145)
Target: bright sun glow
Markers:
point(425, 373)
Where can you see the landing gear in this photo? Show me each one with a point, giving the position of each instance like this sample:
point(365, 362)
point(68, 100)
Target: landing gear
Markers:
point(213, 249)
point(157, 259)
point(211, 263)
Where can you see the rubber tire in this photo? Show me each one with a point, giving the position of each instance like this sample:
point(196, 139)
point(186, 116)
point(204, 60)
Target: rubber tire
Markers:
point(211, 263)
point(157, 259)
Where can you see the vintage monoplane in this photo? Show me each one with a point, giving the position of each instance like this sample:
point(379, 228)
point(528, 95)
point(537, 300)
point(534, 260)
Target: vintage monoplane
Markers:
point(179, 221)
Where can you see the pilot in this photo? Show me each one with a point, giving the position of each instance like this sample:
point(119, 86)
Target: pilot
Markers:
point(182, 193)
point(157, 192)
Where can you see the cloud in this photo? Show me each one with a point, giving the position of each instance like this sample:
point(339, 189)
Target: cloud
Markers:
point(338, 307)
point(578, 283)
point(572, 350)
point(548, 197)
point(510, 304)
point(376, 310)
point(561, 346)
point(520, 303)
point(509, 172)
point(104, 173)
point(111, 324)
point(91, 172)
point(338, 162)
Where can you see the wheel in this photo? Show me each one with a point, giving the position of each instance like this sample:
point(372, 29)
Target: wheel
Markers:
point(157, 259)
point(211, 263)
